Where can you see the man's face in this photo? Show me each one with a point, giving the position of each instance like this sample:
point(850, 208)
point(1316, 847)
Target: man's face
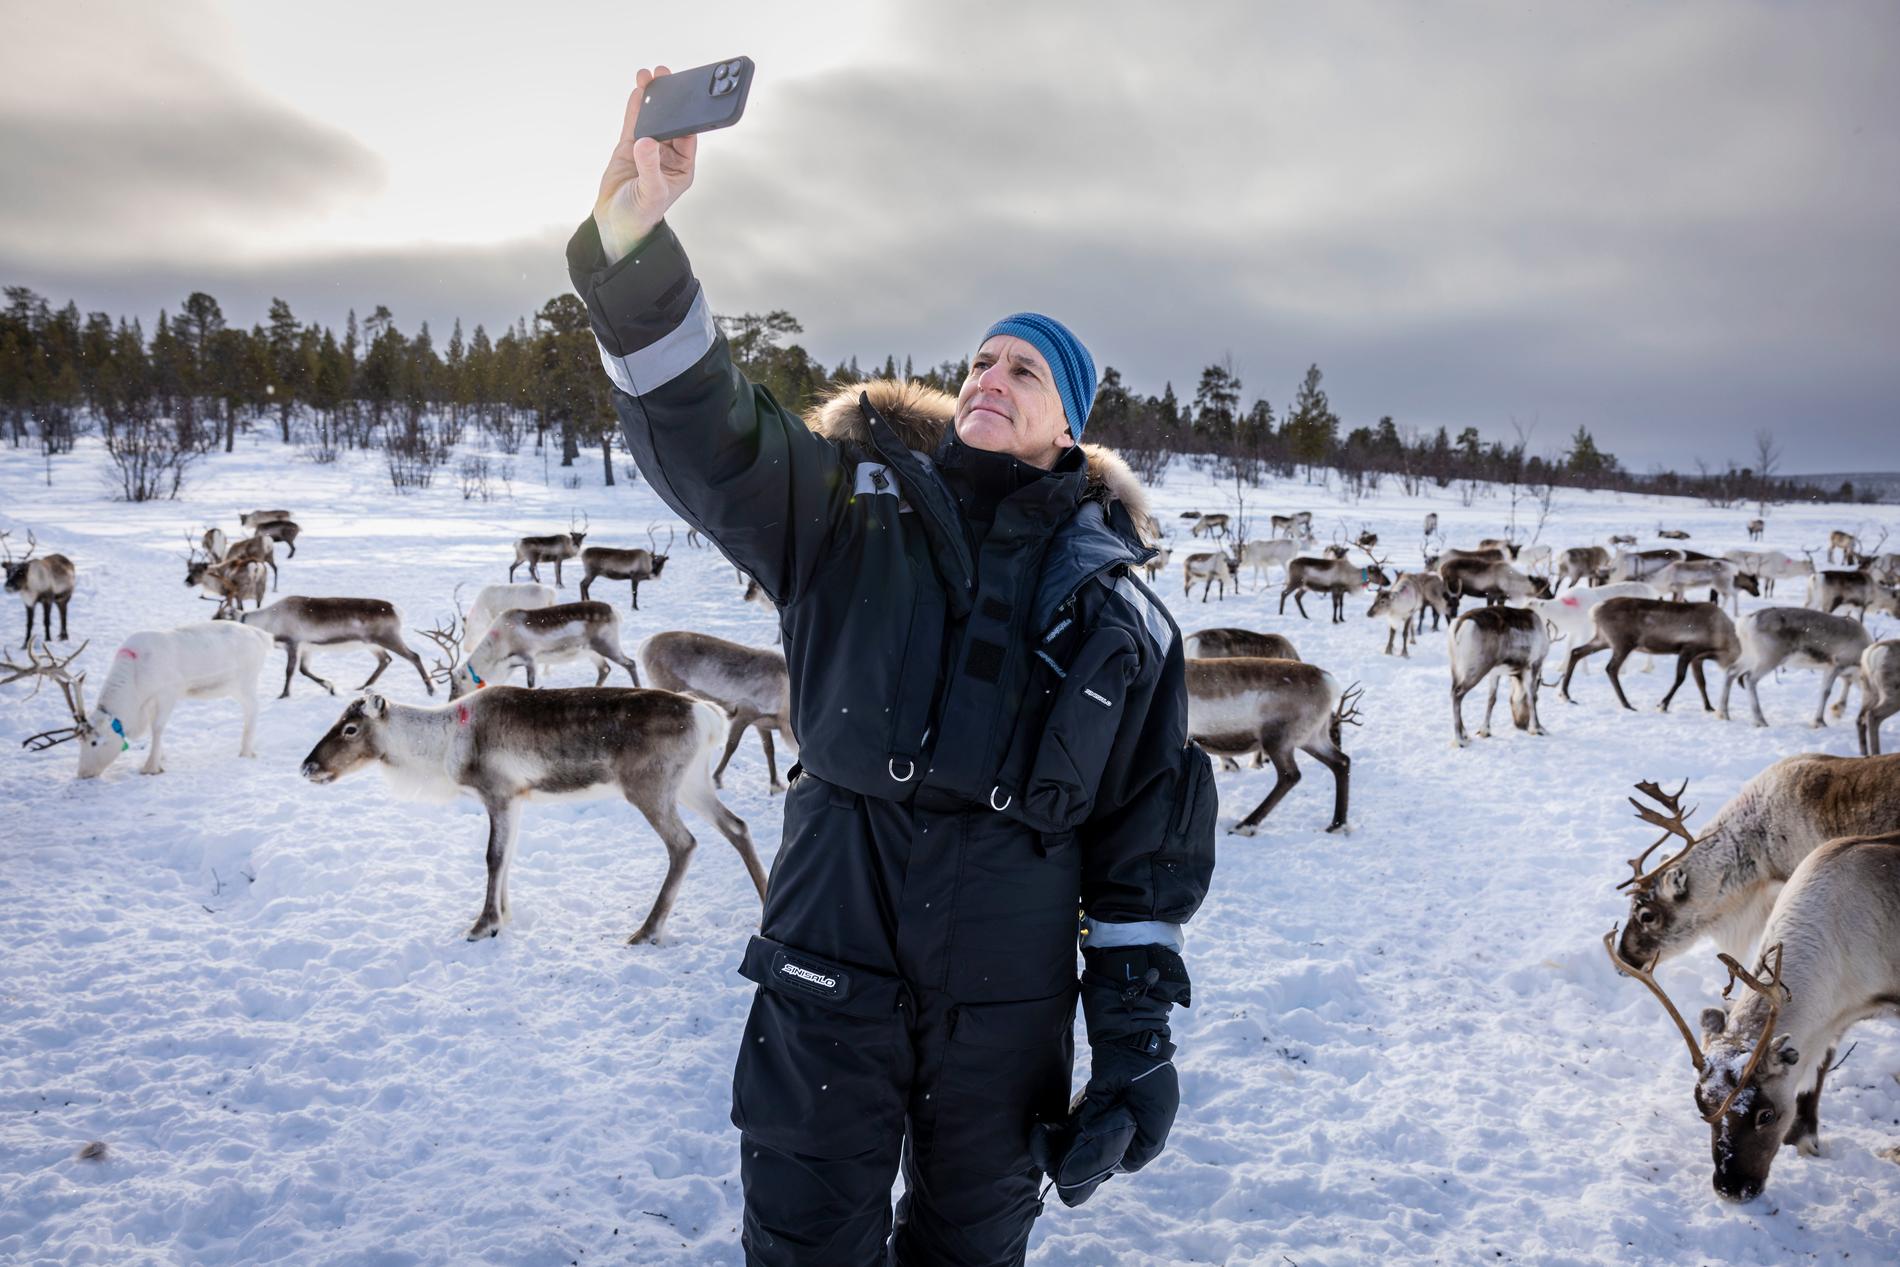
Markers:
point(1009, 404)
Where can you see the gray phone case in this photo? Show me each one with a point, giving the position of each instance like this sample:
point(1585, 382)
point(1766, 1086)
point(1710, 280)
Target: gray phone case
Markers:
point(696, 100)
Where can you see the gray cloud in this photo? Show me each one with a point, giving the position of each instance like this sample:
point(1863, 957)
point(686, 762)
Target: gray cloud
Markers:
point(1669, 224)
point(123, 139)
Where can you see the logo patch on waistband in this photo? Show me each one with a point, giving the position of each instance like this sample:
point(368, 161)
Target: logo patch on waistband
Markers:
point(827, 983)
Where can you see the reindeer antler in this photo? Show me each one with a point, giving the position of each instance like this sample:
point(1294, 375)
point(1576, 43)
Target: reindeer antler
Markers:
point(1645, 975)
point(1673, 824)
point(73, 688)
point(1346, 712)
point(449, 638)
point(1776, 993)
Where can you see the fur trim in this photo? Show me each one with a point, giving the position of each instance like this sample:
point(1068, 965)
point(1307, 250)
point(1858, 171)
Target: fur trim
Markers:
point(917, 413)
point(920, 414)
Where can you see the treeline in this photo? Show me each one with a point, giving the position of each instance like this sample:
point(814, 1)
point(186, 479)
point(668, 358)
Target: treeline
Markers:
point(196, 382)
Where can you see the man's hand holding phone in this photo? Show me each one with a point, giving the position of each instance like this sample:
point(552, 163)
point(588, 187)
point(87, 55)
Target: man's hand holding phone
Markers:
point(644, 178)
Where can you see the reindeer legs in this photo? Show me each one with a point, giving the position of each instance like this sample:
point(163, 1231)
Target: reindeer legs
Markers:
point(154, 760)
point(1287, 773)
point(297, 655)
point(504, 822)
point(1330, 756)
point(382, 662)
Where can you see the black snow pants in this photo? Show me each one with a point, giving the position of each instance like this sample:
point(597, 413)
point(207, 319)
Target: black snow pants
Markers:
point(916, 1002)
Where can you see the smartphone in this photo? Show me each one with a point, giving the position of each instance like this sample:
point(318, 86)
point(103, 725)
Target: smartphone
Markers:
point(696, 100)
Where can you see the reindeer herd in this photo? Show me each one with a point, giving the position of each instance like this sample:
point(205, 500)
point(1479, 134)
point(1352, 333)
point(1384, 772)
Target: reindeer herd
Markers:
point(1798, 869)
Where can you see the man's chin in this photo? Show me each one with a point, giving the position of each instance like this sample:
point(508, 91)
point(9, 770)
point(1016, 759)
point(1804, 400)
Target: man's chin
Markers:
point(982, 429)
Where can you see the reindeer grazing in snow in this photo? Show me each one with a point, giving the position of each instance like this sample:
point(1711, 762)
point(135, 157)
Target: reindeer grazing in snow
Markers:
point(532, 638)
point(634, 565)
point(255, 519)
point(1775, 636)
point(1334, 577)
point(1692, 632)
point(231, 584)
point(1490, 639)
point(1298, 523)
point(1879, 693)
point(151, 672)
point(557, 549)
point(1722, 882)
point(282, 531)
point(1831, 959)
point(1210, 568)
point(492, 600)
point(253, 549)
point(1672, 534)
point(1210, 526)
point(1769, 566)
point(1275, 707)
point(1755, 528)
point(1846, 542)
point(45, 582)
point(1228, 644)
point(297, 624)
point(751, 684)
point(1567, 616)
point(1431, 523)
point(504, 745)
point(1623, 539)
point(214, 543)
point(1580, 564)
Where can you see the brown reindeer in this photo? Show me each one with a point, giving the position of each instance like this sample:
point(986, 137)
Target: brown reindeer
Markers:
point(299, 623)
point(1511, 639)
point(750, 683)
point(45, 582)
point(1333, 577)
point(1275, 707)
point(1228, 644)
point(556, 548)
point(1692, 632)
point(654, 748)
point(633, 565)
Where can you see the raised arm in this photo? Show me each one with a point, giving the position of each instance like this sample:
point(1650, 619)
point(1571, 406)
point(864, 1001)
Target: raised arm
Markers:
point(717, 448)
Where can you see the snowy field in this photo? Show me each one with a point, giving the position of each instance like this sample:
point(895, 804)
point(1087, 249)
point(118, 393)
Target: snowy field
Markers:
point(1406, 1044)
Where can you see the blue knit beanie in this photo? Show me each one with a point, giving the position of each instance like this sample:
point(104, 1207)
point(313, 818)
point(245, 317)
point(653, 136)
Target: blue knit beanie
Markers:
point(1069, 361)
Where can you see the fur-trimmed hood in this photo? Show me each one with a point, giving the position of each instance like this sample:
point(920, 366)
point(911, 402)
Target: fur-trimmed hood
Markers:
point(921, 415)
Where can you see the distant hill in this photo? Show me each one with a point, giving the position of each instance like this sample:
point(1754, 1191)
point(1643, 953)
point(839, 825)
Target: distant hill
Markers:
point(1882, 485)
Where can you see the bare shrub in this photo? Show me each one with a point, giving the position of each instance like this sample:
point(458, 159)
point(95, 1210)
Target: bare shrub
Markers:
point(148, 457)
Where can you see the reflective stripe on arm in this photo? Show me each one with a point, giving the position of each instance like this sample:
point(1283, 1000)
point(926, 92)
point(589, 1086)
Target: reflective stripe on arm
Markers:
point(666, 358)
point(1102, 935)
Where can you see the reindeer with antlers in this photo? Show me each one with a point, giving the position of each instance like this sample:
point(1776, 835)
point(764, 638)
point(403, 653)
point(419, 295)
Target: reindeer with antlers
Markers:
point(633, 565)
point(1273, 708)
point(44, 582)
point(1831, 959)
point(151, 672)
point(533, 637)
point(556, 548)
point(1722, 883)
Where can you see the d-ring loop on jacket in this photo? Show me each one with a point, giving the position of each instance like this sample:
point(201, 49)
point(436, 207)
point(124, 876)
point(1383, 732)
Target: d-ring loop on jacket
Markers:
point(910, 770)
point(1006, 800)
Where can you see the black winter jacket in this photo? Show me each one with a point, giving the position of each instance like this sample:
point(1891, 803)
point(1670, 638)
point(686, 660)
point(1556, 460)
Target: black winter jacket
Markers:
point(1038, 677)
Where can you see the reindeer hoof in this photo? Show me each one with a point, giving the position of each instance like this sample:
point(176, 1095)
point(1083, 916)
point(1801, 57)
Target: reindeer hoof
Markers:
point(1340, 828)
point(484, 928)
point(1808, 1145)
point(777, 788)
point(643, 938)
point(1244, 829)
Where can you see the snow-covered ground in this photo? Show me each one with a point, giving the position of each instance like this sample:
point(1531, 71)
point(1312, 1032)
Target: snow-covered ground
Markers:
point(1406, 1044)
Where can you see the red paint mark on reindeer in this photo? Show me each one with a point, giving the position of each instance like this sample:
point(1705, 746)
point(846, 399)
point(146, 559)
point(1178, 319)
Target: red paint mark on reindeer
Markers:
point(1570, 602)
point(128, 653)
point(461, 714)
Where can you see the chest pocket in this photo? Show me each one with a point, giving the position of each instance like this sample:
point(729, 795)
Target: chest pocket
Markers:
point(1054, 768)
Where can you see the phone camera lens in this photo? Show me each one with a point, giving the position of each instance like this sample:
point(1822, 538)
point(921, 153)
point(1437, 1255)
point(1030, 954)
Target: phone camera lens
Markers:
point(733, 68)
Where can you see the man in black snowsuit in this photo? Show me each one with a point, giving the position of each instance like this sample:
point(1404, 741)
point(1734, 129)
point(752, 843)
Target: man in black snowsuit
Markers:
point(992, 715)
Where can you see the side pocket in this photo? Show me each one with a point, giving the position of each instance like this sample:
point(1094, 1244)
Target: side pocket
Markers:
point(1184, 865)
point(823, 1057)
point(1065, 769)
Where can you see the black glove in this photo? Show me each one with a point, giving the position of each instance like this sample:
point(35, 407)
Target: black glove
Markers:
point(1120, 1122)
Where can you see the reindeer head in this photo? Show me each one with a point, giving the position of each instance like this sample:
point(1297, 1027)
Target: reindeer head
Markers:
point(1748, 1081)
point(581, 535)
point(43, 668)
point(352, 743)
point(1381, 603)
point(16, 568)
point(1746, 1100)
point(1657, 919)
point(660, 556)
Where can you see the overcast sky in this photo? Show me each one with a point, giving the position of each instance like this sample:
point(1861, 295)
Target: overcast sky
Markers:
point(1673, 223)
